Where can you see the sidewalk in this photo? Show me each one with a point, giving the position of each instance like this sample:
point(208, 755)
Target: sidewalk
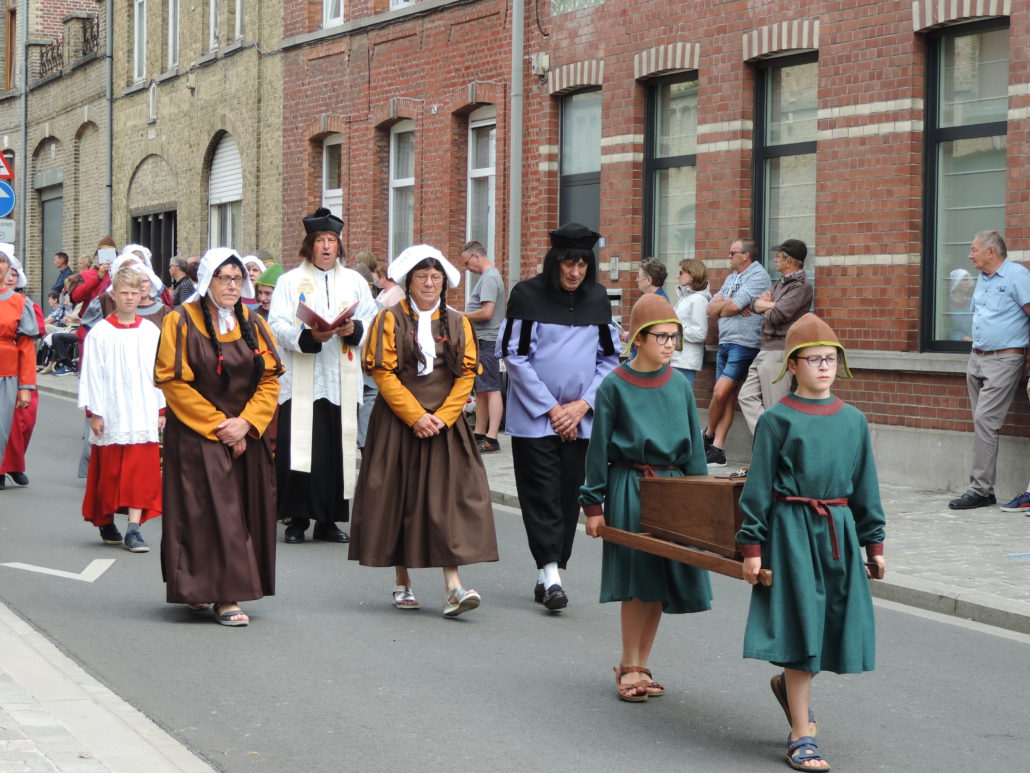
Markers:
point(973, 564)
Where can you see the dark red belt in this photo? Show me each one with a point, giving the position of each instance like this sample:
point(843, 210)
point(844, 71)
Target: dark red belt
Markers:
point(821, 507)
point(646, 469)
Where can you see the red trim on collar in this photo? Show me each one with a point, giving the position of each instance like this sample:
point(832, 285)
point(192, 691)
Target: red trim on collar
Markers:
point(136, 322)
point(826, 409)
point(645, 383)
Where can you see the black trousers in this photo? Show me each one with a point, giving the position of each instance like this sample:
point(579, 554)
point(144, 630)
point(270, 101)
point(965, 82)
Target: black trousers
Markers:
point(317, 495)
point(548, 474)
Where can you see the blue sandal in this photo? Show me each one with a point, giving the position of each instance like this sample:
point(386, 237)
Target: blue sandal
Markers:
point(804, 750)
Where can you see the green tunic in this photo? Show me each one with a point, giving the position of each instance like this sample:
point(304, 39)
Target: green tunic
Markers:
point(645, 418)
point(818, 614)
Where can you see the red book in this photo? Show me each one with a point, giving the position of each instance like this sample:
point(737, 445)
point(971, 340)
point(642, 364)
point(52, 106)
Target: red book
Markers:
point(309, 317)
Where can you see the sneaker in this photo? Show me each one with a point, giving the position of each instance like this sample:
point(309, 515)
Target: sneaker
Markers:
point(708, 439)
point(63, 370)
point(110, 535)
point(460, 600)
point(971, 500)
point(489, 445)
point(1020, 504)
point(716, 456)
point(134, 542)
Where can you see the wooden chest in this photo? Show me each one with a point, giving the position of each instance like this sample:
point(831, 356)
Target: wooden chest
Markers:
point(699, 510)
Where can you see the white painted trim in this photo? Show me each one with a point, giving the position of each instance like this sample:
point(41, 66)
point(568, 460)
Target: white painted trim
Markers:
point(899, 259)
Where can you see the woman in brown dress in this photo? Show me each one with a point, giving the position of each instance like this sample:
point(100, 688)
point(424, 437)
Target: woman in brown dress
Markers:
point(218, 367)
point(422, 498)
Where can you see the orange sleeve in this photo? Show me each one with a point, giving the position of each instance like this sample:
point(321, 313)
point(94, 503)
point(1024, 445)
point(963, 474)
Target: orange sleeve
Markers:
point(462, 388)
point(26, 362)
point(380, 360)
point(174, 376)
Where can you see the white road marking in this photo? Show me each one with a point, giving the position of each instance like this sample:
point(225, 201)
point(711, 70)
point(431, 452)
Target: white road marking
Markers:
point(90, 574)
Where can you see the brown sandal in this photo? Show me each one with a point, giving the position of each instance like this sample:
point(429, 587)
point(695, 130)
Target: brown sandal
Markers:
point(634, 693)
point(653, 688)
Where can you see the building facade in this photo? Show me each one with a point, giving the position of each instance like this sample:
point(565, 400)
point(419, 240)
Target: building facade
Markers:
point(884, 133)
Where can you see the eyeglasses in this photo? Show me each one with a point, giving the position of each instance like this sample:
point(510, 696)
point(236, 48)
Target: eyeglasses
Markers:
point(817, 360)
point(664, 338)
point(423, 277)
point(224, 279)
point(737, 252)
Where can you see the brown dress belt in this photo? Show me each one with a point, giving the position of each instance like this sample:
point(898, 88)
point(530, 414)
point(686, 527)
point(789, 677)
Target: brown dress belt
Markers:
point(821, 507)
point(1016, 350)
point(646, 469)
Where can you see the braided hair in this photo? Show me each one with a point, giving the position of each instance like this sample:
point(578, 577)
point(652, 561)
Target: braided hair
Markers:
point(246, 330)
point(450, 349)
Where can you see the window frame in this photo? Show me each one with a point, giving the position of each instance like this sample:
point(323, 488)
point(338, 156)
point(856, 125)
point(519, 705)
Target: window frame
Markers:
point(212, 25)
point(139, 40)
point(172, 19)
point(654, 163)
point(328, 20)
point(762, 152)
point(11, 48)
point(480, 118)
point(568, 182)
point(933, 136)
point(398, 183)
point(332, 198)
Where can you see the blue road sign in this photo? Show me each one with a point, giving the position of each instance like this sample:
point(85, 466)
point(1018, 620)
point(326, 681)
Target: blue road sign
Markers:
point(6, 199)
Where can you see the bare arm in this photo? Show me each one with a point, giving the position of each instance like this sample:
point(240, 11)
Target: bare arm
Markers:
point(483, 314)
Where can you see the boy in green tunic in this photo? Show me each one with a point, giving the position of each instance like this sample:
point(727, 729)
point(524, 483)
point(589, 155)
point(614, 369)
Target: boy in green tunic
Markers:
point(811, 502)
point(645, 424)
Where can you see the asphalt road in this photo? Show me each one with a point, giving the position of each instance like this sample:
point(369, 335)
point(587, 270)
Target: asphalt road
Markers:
point(329, 677)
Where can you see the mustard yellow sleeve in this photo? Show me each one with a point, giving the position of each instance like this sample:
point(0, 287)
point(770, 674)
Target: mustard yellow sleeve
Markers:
point(380, 361)
point(174, 376)
point(452, 407)
point(260, 409)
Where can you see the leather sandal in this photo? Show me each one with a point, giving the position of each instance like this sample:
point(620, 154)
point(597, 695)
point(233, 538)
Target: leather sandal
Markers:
point(654, 689)
point(404, 597)
point(633, 693)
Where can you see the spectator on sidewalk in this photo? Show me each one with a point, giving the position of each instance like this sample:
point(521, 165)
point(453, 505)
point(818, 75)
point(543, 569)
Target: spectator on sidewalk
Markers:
point(126, 413)
point(740, 336)
point(1001, 332)
point(782, 306)
point(690, 310)
point(182, 285)
point(485, 310)
point(63, 271)
point(558, 343)
point(390, 292)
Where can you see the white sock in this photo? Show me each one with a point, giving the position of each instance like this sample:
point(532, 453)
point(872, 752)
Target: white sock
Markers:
point(551, 576)
point(541, 577)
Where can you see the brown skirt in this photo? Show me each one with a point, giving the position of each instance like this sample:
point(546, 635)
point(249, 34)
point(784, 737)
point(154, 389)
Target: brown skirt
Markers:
point(420, 502)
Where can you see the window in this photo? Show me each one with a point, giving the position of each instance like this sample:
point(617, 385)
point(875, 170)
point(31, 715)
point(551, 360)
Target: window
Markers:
point(402, 186)
point(966, 149)
point(670, 163)
point(397, 4)
point(579, 186)
point(139, 39)
point(225, 195)
point(152, 103)
point(158, 232)
point(237, 21)
point(332, 174)
point(786, 102)
point(482, 158)
point(173, 34)
point(11, 48)
point(332, 12)
point(212, 24)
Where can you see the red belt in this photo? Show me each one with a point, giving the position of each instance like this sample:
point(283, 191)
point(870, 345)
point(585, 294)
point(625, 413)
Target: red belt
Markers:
point(647, 469)
point(821, 507)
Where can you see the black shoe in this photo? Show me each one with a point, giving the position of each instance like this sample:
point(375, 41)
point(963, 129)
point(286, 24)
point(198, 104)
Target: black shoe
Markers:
point(3, 482)
point(20, 478)
point(555, 598)
point(716, 456)
point(489, 445)
point(539, 592)
point(971, 500)
point(708, 440)
point(328, 532)
point(110, 535)
point(295, 534)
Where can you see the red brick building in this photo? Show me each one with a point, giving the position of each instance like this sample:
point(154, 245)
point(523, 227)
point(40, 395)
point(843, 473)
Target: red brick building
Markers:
point(884, 134)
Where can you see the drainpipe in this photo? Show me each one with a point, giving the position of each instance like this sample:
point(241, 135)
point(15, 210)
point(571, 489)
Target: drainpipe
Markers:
point(109, 130)
point(23, 174)
point(515, 156)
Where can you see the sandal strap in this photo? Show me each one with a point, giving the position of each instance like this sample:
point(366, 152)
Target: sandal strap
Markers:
point(804, 749)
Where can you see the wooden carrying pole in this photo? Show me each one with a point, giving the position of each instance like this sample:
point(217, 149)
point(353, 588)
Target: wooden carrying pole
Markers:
point(702, 559)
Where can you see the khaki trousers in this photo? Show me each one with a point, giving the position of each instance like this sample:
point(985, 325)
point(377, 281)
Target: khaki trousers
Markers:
point(758, 392)
point(991, 380)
